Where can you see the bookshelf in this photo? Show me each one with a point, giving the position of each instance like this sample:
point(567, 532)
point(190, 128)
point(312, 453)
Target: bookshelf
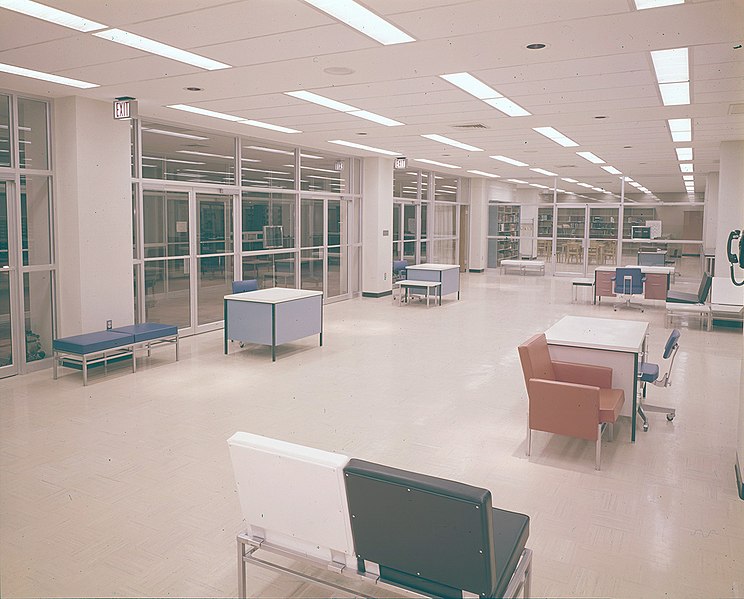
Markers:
point(635, 217)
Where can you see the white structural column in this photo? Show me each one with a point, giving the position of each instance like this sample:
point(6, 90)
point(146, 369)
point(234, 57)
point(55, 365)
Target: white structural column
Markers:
point(93, 204)
point(710, 225)
point(731, 216)
point(377, 227)
point(478, 225)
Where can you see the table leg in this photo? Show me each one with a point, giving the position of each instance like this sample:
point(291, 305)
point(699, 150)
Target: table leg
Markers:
point(85, 370)
point(54, 365)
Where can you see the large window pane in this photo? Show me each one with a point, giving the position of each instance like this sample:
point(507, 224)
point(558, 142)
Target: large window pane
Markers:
point(405, 184)
point(337, 215)
point(271, 270)
point(311, 263)
point(268, 220)
point(265, 165)
point(215, 226)
point(6, 343)
point(32, 134)
point(396, 221)
point(214, 282)
point(182, 154)
point(636, 217)
point(424, 220)
point(5, 154)
point(445, 221)
point(37, 296)
point(167, 295)
point(603, 223)
point(324, 173)
point(135, 216)
point(571, 223)
point(36, 219)
point(4, 239)
point(409, 221)
point(545, 222)
point(311, 224)
point(444, 251)
point(445, 188)
point(338, 280)
point(166, 223)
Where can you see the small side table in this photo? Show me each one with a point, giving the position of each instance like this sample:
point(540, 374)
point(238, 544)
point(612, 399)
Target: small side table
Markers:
point(576, 283)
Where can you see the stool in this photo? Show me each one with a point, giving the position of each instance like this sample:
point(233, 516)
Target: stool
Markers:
point(576, 283)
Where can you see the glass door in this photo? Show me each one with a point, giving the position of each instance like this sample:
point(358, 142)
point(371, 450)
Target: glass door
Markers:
point(603, 236)
point(570, 247)
point(8, 365)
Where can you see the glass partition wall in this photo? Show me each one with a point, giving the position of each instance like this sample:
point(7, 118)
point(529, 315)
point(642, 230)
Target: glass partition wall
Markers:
point(204, 223)
point(27, 257)
point(427, 218)
point(575, 238)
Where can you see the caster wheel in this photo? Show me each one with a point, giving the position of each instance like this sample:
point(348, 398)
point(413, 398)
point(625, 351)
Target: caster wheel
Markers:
point(645, 428)
point(670, 417)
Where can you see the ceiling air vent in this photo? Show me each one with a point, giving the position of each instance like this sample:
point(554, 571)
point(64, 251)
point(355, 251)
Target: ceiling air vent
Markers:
point(470, 126)
point(736, 109)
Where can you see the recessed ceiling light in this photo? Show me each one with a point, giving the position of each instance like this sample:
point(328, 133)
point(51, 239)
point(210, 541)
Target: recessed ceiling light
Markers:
point(686, 168)
point(342, 107)
point(338, 70)
point(173, 134)
point(351, 144)
point(53, 15)
point(361, 133)
point(643, 4)
point(568, 180)
point(535, 46)
point(518, 181)
point(435, 163)
point(611, 169)
point(475, 87)
point(684, 153)
point(363, 20)
point(542, 171)
point(269, 126)
point(205, 112)
point(509, 160)
point(484, 174)
point(194, 89)
point(584, 185)
point(688, 177)
point(376, 118)
point(153, 47)
point(593, 158)
point(671, 66)
point(195, 153)
point(451, 142)
point(13, 70)
point(556, 136)
point(507, 106)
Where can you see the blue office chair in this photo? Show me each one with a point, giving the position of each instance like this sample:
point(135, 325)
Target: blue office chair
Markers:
point(399, 274)
point(649, 373)
point(243, 286)
point(629, 282)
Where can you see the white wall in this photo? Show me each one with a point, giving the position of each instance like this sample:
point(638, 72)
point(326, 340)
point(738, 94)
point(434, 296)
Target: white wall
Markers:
point(377, 217)
point(93, 204)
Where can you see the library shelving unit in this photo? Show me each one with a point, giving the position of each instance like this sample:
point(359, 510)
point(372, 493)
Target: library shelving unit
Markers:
point(507, 218)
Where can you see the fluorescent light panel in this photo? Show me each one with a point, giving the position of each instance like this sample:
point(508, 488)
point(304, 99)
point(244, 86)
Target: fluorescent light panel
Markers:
point(643, 4)
point(518, 181)
point(509, 160)
point(556, 136)
point(568, 180)
point(688, 177)
point(435, 163)
point(593, 158)
point(684, 153)
point(671, 66)
point(611, 169)
point(53, 15)
point(174, 134)
point(147, 45)
point(451, 142)
point(363, 20)
point(341, 107)
point(681, 129)
point(484, 174)
point(584, 185)
point(263, 125)
point(675, 94)
point(13, 70)
point(542, 171)
point(351, 144)
point(475, 87)
point(204, 112)
point(686, 168)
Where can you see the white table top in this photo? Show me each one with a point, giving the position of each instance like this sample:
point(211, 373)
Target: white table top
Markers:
point(273, 295)
point(660, 270)
point(598, 333)
point(431, 266)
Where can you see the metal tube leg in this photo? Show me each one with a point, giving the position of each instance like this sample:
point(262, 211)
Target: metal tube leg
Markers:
point(598, 452)
point(176, 348)
point(54, 365)
point(134, 360)
point(529, 440)
point(85, 370)
point(527, 588)
point(241, 570)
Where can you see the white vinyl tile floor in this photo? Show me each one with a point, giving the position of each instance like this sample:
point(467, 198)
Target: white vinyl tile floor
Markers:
point(125, 487)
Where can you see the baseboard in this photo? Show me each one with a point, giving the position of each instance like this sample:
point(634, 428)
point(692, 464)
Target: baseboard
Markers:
point(739, 479)
point(476, 270)
point(380, 294)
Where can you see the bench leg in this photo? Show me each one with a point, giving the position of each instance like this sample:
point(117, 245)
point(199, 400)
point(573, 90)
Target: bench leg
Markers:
point(241, 570)
point(55, 359)
point(85, 370)
point(134, 359)
point(176, 347)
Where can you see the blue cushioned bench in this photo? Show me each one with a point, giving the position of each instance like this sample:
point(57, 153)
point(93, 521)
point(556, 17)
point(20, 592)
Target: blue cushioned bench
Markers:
point(114, 344)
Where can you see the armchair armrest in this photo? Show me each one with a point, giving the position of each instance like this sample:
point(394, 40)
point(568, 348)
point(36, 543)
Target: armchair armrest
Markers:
point(583, 374)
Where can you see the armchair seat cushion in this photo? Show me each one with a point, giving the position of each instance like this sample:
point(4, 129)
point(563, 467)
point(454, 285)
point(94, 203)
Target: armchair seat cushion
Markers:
point(610, 403)
point(649, 372)
point(680, 297)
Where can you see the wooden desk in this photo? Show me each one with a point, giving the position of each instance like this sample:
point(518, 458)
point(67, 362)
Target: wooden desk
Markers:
point(617, 344)
point(273, 316)
point(656, 286)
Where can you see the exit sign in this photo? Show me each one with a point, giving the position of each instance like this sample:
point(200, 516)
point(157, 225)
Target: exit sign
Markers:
point(400, 163)
point(125, 109)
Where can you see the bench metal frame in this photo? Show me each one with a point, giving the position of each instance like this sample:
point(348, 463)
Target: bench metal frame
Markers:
point(248, 546)
point(121, 351)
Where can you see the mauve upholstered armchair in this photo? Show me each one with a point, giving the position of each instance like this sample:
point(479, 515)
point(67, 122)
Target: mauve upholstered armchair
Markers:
point(566, 398)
